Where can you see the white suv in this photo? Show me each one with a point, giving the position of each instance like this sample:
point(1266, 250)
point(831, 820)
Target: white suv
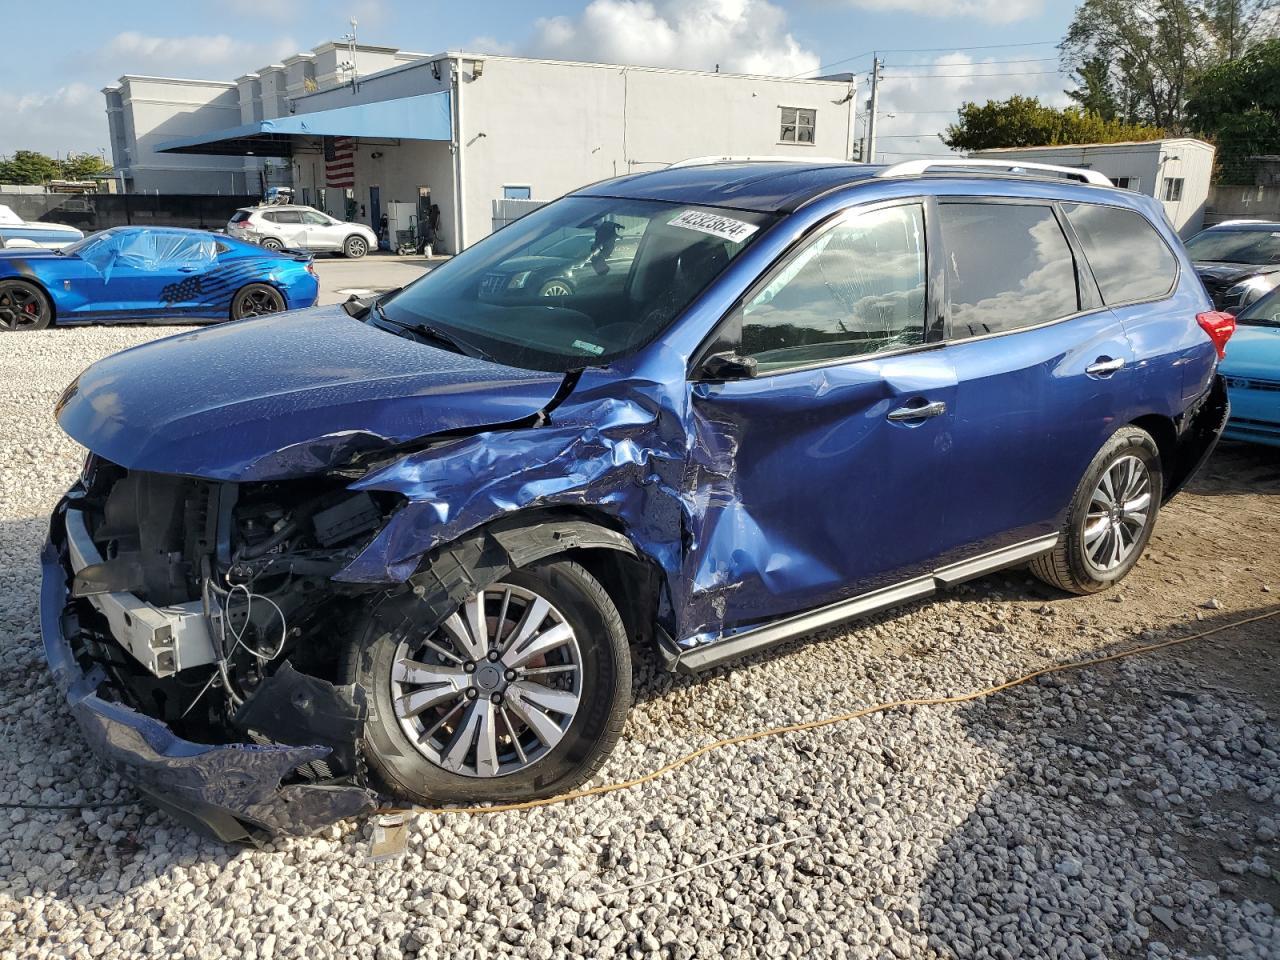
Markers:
point(302, 228)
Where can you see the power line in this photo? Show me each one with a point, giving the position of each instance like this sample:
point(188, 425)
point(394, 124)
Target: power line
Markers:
point(1002, 73)
point(868, 53)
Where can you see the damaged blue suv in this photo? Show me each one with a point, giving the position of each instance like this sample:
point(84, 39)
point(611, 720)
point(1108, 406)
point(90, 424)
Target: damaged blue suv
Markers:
point(404, 545)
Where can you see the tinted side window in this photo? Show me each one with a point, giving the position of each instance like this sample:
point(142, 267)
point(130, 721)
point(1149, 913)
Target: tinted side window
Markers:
point(288, 216)
point(1008, 266)
point(855, 290)
point(1129, 260)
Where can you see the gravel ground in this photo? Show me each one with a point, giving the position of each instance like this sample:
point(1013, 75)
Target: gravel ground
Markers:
point(1129, 810)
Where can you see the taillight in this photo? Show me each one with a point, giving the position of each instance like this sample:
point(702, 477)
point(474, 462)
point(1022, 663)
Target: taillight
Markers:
point(311, 269)
point(1219, 326)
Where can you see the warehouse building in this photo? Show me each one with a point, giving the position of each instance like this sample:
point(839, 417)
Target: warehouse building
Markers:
point(1175, 171)
point(482, 138)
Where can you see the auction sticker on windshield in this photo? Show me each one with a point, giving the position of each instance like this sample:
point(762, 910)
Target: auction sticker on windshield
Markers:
point(726, 228)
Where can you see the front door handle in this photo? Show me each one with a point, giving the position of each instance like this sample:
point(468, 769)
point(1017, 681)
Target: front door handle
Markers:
point(1104, 366)
point(935, 409)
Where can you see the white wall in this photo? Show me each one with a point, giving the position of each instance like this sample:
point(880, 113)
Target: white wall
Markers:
point(158, 109)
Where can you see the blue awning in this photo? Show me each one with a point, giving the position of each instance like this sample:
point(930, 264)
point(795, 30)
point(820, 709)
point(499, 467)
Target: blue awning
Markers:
point(423, 117)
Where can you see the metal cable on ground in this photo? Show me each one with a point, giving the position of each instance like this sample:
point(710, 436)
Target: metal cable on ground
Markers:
point(828, 721)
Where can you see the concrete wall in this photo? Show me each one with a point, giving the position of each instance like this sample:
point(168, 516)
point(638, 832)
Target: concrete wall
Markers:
point(1152, 163)
point(1242, 203)
point(154, 110)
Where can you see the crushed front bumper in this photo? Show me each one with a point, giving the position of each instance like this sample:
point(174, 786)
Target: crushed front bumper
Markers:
point(233, 791)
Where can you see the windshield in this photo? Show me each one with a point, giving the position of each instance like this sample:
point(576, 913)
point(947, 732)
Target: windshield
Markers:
point(577, 282)
point(88, 243)
point(1236, 246)
point(1264, 313)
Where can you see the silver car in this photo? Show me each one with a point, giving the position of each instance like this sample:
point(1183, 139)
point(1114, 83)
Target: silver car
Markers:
point(279, 226)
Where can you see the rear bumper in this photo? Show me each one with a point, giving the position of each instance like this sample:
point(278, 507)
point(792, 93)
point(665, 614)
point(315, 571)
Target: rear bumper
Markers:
point(233, 791)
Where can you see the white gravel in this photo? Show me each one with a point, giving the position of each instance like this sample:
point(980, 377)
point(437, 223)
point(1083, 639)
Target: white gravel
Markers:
point(1126, 811)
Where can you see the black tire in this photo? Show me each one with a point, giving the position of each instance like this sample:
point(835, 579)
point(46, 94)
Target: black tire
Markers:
point(271, 243)
point(23, 307)
point(355, 247)
point(395, 763)
point(256, 300)
point(1071, 565)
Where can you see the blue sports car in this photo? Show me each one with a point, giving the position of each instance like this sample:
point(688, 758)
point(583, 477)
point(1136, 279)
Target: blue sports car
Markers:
point(148, 274)
point(1252, 372)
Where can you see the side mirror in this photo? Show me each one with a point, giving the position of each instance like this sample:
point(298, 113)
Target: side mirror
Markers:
point(728, 366)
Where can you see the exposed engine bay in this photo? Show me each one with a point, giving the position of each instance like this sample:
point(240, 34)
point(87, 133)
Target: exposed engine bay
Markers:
point(210, 605)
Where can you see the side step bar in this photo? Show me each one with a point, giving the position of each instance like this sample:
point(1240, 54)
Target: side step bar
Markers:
point(735, 645)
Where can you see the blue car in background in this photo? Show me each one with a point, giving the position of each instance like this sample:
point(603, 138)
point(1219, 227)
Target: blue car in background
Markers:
point(1252, 373)
point(406, 543)
point(149, 274)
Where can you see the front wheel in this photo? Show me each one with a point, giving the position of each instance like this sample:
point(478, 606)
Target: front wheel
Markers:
point(355, 247)
point(256, 300)
point(23, 306)
point(1111, 516)
point(520, 693)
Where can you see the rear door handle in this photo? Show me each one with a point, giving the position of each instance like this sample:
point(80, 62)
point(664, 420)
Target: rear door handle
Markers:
point(935, 409)
point(1104, 366)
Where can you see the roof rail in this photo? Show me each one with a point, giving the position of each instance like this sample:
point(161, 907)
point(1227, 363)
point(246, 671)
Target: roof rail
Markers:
point(705, 161)
point(915, 168)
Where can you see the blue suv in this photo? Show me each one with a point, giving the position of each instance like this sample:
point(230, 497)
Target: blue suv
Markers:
point(405, 544)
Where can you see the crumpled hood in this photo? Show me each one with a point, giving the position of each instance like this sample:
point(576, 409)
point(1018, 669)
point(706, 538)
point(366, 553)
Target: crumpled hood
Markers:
point(1227, 273)
point(285, 396)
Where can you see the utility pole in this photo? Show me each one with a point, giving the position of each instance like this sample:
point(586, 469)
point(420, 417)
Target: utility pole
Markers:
point(876, 65)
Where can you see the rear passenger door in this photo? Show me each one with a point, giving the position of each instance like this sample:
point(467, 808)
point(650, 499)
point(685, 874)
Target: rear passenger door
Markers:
point(1043, 369)
point(288, 226)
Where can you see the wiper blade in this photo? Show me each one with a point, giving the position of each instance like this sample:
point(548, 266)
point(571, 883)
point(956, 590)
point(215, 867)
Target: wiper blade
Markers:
point(427, 330)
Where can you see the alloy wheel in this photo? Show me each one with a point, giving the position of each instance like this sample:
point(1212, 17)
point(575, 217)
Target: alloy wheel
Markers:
point(20, 308)
point(257, 302)
point(556, 288)
point(1119, 512)
point(494, 688)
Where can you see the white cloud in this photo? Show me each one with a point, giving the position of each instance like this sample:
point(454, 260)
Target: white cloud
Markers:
point(213, 54)
point(995, 11)
point(911, 97)
point(70, 119)
point(742, 36)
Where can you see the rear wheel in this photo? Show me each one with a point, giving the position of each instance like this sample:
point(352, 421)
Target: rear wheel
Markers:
point(256, 300)
point(271, 243)
point(23, 306)
point(355, 247)
point(1111, 517)
point(520, 693)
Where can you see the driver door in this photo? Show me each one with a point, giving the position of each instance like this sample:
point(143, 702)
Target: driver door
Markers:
point(319, 232)
point(819, 477)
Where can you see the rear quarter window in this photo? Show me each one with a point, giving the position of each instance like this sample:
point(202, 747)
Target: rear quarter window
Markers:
point(240, 216)
point(1130, 261)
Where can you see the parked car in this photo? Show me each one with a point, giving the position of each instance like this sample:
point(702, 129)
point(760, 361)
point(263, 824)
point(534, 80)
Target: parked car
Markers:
point(1252, 373)
point(17, 233)
point(279, 227)
point(406, 543)
point(149, 274)
point(1239, 261)
point(579, 263)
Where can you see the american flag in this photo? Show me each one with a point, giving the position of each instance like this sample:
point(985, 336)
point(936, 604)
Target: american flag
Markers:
point(339, 162)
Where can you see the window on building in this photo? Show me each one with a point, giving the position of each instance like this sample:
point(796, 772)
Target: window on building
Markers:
point(1129, 260)
point(855, 290)
point(798, 125)
point(1127, 183)
point(1173, 189)
point(517, 192)
point(1009, 266)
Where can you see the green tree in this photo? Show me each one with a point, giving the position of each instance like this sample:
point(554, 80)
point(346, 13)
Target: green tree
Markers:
point(28, 166)
point(1026, 122)
point(1096, 91)
point(1155, 49)
point(83, 166)
point(1237, 105)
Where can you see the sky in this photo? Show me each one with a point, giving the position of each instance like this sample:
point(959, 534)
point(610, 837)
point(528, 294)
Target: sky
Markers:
point(937, 53)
